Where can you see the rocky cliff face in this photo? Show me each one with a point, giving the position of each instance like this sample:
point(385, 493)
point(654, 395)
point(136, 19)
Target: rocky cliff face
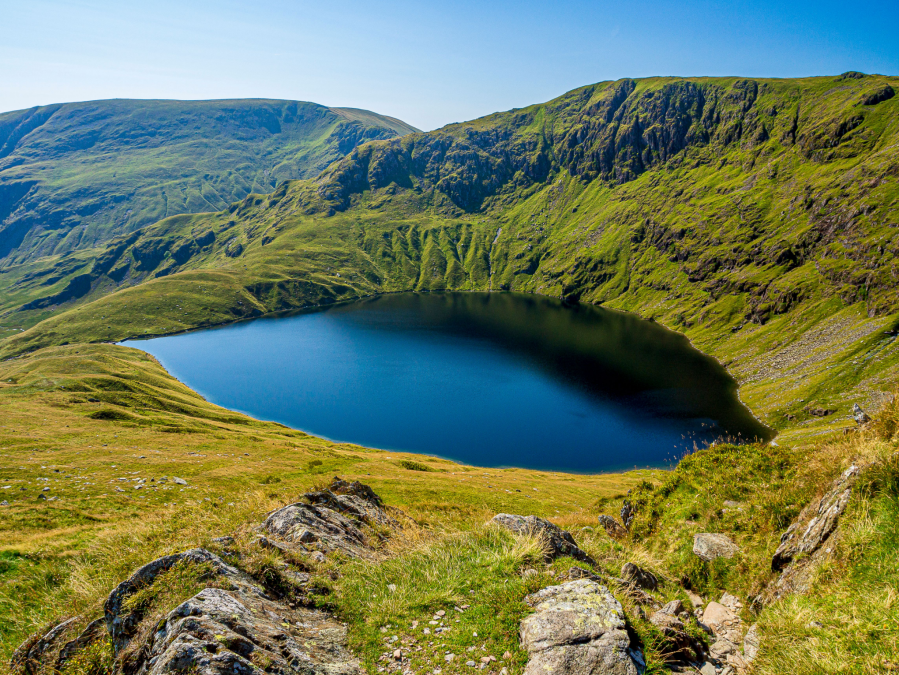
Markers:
point(613, 131)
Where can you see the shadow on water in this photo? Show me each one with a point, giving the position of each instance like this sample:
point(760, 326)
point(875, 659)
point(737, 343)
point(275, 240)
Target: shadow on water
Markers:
point(496, 379)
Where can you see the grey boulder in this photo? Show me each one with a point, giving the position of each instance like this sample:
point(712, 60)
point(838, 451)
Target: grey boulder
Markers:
point(712, 545)
point(578, 627)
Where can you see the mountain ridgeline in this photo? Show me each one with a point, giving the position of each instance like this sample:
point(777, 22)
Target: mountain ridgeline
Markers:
point(74, 175)
point(746, 213)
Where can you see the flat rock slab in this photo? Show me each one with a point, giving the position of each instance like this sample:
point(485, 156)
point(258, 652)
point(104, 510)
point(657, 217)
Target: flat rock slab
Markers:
point(711, 545)
point(578, 628)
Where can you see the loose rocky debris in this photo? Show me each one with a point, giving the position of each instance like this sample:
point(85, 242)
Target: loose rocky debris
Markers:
point(681, 647)
point(859, 415)
point(711, 545)
point(236, 625)
point(808, 535)
point(578, 627)
point(557, 541)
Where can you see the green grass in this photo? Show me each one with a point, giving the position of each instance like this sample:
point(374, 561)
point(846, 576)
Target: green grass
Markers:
point(76, 175)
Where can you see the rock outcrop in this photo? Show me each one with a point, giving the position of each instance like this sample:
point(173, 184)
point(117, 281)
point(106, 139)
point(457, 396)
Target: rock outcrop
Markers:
point(121, 623)
point(220, 632)
point(41, 648)
point(331, 520)
point(578, 627)
point(235, 625)
point(557, 541)
point(810, 539)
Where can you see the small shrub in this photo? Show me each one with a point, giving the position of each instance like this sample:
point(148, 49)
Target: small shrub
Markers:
point(412, 465)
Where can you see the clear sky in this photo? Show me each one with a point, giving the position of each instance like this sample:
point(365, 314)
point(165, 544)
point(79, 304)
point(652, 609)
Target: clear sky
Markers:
point(428, 63)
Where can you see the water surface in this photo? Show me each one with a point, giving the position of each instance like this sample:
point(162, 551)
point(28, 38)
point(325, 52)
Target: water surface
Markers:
point(492, 379)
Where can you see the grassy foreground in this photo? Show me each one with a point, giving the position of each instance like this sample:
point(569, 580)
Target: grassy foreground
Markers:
point(107, 431)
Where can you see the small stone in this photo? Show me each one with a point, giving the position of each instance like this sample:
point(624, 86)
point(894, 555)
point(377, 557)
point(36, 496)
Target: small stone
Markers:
point(470, 664)
point(751, 643)
point(4, 503)
point(695, 600)
point(507, 656)
point(440, 613)
point(46, 489)
point(179, 481)
point(398, 655)
point(317, 556)
point(449, 658)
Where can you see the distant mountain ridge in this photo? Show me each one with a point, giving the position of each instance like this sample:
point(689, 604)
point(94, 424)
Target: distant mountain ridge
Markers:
point(74, 175)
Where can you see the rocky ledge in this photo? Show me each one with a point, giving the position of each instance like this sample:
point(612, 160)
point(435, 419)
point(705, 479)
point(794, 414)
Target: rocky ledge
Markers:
point(237, 625)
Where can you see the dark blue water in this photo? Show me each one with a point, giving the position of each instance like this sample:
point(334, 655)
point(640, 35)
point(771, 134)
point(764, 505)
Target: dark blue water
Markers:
point(488, 379)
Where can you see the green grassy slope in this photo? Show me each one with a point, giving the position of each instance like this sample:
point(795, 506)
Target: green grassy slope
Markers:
point(757, 217)
point(75, 175)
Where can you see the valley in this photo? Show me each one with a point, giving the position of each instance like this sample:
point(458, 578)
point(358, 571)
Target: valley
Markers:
point(755, 217)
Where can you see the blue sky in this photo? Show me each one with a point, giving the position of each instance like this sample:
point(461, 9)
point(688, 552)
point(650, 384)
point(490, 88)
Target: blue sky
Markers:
point(427, 63)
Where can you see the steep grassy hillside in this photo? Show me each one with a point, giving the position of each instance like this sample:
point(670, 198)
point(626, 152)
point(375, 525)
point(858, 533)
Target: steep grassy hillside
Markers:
point(75, 175)
point(756, 216)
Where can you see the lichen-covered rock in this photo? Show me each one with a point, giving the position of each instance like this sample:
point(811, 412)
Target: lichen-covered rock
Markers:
point(578, 627)
point(334, 519)
point(121, 623)
point(354, 499)
point(220, 632)
point(307, 524)
point(816, 522)
point(712, 545)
